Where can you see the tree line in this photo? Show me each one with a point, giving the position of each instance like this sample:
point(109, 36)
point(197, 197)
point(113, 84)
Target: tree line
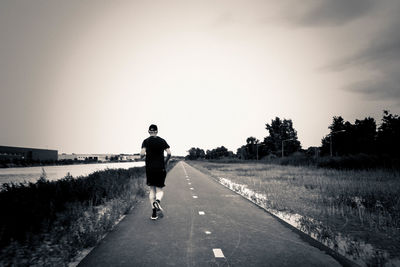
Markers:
point(216, 153)
point(344, 139)
point(363, 136)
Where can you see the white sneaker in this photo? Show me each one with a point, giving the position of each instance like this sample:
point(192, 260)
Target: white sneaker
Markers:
point(157, 206)
point(154, 215)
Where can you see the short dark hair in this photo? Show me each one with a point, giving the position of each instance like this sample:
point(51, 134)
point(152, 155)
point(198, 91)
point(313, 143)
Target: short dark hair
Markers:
point(153, 128)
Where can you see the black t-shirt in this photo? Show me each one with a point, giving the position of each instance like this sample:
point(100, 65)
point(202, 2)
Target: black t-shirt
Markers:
point(155, 147)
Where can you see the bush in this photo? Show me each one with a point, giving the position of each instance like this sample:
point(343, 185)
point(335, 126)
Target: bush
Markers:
point(359, 162)
point(28, 209)
point(297, 159)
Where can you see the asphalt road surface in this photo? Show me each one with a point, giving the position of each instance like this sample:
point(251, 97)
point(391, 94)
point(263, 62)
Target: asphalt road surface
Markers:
point(204, 224)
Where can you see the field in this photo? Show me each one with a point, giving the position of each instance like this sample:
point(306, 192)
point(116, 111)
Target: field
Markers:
point(364, 205)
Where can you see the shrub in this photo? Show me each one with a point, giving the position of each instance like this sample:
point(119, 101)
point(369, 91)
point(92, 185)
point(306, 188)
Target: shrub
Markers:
point(29, 208)
point(360, 161)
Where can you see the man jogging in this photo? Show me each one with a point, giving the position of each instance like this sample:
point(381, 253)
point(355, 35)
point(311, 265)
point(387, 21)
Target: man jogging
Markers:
point(153, 148)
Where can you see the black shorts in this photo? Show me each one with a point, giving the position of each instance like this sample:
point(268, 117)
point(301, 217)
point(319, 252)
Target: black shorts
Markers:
point(156, 177)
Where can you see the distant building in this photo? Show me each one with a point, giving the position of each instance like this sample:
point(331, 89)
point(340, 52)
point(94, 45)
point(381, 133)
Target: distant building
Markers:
point(99, 157)
point(25, 153)
point(82, 157)
point(128, 157)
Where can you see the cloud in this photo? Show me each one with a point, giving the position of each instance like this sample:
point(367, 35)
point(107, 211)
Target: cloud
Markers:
point(380, 57)
point(382, 50)
point(388, 87)
point(328, 12)
point(377, 59)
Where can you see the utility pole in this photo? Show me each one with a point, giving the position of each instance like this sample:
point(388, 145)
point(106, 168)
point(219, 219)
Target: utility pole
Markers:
point(257, 149)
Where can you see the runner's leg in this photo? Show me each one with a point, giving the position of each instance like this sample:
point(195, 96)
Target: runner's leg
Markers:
point(159, 193)
point(152, 198)
point(157, 204)
point(152, 195)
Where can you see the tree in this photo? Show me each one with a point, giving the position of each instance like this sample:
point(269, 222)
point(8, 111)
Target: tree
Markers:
point(336, 136)
point(252, 140)
point(364, 136)
point(388, 139)
point(248, 151)
point(350, 139)
point(192, 154)
point(281, 131)
point(338, 124)
point(218, 153)
point(195, 153)
point(242, 153)
point(252, 147)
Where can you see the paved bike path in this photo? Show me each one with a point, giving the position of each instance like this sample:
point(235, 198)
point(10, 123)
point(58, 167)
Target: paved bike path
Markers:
point(218, 228)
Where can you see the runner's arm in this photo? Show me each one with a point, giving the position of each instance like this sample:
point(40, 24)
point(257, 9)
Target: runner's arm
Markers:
point(168, 155)
point(143, 153)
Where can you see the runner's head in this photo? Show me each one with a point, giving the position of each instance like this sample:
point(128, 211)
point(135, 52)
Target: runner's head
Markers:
point(153, 130)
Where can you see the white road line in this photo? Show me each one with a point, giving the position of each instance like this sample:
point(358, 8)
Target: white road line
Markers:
point(202, 213)
point(189, 183)
point(188, 179)
point(207, 232)
point(191, 188)
point(195, 197)
point(218, 253)
point(184, 170)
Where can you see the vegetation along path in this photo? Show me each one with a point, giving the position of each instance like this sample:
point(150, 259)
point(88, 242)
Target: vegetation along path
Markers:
point(204, 224)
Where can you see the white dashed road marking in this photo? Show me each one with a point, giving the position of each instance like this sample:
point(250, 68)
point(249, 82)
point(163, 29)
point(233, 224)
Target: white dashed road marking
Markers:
point(184, 170)
point(218, 253)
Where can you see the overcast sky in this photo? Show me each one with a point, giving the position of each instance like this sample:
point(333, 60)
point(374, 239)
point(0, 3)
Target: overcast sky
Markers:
point(91, 76)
